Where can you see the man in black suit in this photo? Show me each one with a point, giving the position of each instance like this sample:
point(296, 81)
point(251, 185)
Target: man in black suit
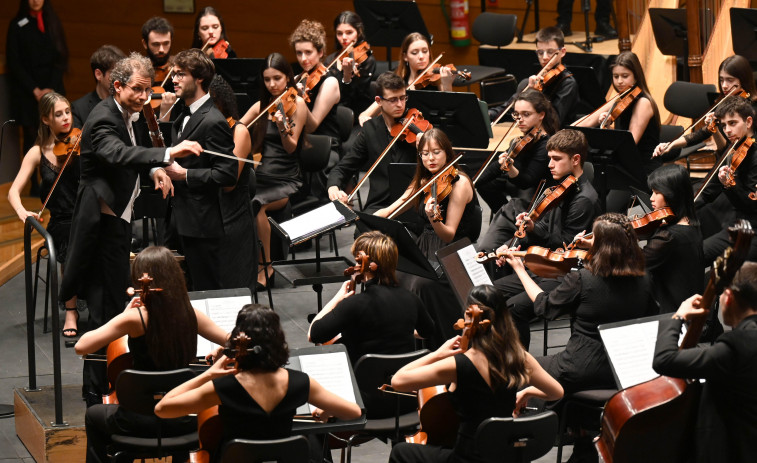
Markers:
point(111, 161)
point(198, 180)
point(101, 62)
point(371, 142)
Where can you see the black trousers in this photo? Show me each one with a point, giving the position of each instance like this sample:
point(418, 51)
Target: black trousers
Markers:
point(203, 258)
point(565, 11)
point(415, 453)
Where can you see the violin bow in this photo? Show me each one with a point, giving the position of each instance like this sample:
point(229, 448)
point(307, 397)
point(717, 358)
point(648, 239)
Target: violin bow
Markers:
point(539, 75)
point(715, 169)
point(613, 99)
point(57, 178)
point(229, 156)
point(493, 155)
point(265, 111)
point(420, 190)
point(346, 50)
point(531, 207)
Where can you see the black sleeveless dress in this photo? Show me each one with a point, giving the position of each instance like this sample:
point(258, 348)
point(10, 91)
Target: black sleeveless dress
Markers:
point(279, 174)
point(61, 203)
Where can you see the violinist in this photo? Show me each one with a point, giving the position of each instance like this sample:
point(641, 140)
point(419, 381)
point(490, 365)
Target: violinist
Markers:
point(198, 180)
point(55, 124)
point(354, 87)
point(537, 120)
point(257, 397)
point(239, 249)
point(162, 329)
point(483, 381)
point(373, 138)
point(101, 62)
point(210, 34)
point(157, 38)
point(561, 89)
point(279, 139)
point(734, 75)
point(383, 318)
point(611, 287)
point(736, 117)
point(113, 156)
point(727, 409)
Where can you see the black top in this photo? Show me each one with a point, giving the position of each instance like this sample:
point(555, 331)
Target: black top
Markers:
point(369, 144)
point(329, 125)
point(746, 179)
point(675, 264)
point(699, 136)
point(379, 320)
point(563, 94)
point(474, 402)
point(243, 418)
point(532, 164)
point(727, 414)
point(139, 351)
point(83, 106)
point(62, 200)
point(649, 139)
point(356, 95)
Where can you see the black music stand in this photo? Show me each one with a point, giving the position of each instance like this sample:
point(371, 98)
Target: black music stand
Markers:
point(458, 114)
point(388, 22)
point(457, 276)
point(616, 161)
point(744, 32)
point(671, 34)
point(243, 74)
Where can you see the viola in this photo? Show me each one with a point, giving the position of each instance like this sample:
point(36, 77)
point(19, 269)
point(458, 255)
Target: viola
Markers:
point(648, 223)
point(533, 135)
point(311, 78)
point(356, 272)
point(736, 159)
point(547, 200)
point(410, 126)
point(440, 189)
point(434, 75)
point(654, 421)
point(620, 105)
point(543, 261)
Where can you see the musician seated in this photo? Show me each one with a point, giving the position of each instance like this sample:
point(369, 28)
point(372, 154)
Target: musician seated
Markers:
point(162, 329)
point(383, 318)
point(725, 429)
point(374, 137)
point(561, 90)
point(101, 62)
point(483, 381)
point(209, 30)
point(257, 397)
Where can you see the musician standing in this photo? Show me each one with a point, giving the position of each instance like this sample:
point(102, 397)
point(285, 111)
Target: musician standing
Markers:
point(725, 429)
point(198, 180)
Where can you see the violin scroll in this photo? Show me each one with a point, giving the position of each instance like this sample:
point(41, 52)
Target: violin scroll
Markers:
point(357, 272)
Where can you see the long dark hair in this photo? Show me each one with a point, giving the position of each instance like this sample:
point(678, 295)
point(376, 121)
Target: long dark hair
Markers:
point(500, 344)
point(616, 251)
point(403, 69)
point(630, 61)
point(207, 11)
point(421, 173)
point(739, 67)
point(263, 326)
point(278, 62)
point(353, 19)
point(223, 96)
point(171, 332)
point(541, 104)
point(53, 27)
point(672, 182)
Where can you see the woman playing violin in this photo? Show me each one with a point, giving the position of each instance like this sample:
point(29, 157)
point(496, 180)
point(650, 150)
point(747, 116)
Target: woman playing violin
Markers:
point(483, 381)
point(257, 397)
point(279, 139)
point(162, 335)
point(210, 34)
point(55, 125)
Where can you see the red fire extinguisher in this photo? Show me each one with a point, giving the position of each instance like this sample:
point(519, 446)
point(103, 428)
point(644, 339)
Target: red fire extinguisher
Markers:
point(459, 25)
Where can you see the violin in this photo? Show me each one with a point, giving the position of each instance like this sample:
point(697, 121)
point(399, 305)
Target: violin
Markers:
point(69, 146)
point(533, 135)
point(440, 189)
point(356, 272)
point(163, 73)
point(219, 49)
point(166, 71)
point(620, 105)
point(654, 420)
point(434, 75)
point(450, 174)
point(311, 78)
point(549, 77)
point(736, 159)
point(648, 223)
point(156, 136)
point(286, 103)
point(359, 54)
point(548, 200)
point(410, 126)
point(543, 262)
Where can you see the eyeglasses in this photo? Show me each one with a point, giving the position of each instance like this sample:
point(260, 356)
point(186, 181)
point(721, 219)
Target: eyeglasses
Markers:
point(395, 99)
point(524, 115)
point(547, 52)
point(139, 90)
point(425, 154)
point(179, 75)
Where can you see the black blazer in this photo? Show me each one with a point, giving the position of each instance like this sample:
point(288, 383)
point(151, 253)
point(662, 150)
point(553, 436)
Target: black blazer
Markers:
point(197, 206)
point(83, 106)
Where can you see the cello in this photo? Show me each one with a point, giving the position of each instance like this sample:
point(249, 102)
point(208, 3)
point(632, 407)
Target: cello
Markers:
point(654, 421)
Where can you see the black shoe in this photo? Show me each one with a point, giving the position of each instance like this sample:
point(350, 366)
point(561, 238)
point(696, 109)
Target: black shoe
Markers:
point(259, 287)
point(71, 332)
point(565, 28)
point(606, 30)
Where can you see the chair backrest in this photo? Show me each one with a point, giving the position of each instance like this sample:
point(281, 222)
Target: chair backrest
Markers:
point(345, 118)
point(315, 152)
point(589, 171)
point(373, 370)
point(139, 391)
point(669, 133)
point(495, 29)
point(294, 449)
point(516, 439)
point(688, 99)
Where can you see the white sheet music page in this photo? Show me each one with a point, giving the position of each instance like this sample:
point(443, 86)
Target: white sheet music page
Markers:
point(332, 371)
point(631, 351)
point(476, 272)
point(307, 223)
point(223, 311)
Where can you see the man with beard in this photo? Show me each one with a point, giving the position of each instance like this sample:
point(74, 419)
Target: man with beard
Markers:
point(157, 36)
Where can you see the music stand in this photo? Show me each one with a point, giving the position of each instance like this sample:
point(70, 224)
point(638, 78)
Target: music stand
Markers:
point(616, 161)
point(744, 32)
point(670, 32)
point(458, 114)
point(457, 275)
point(388, 22)
point(243, 74)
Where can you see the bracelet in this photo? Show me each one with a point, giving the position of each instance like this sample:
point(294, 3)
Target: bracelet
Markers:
point(284, 130)
point(678, 317)
point(346, 83)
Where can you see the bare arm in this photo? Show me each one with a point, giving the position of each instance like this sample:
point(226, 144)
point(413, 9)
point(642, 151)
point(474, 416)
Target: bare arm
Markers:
point(332, 404)
point(251, 114)
point(28, 166)
point(543, 386)
point(327, 97)
point(387, 211)
point(208, 329)
point(642, 114)
point(125, 323)
point(195, 395)
point(433, 369)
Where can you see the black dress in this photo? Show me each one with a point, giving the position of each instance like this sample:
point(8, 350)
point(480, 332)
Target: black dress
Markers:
point(61, 203)
point(592, 301)
point(648, 141)
point(279, 174)
point(356, 95)
point(474, 402)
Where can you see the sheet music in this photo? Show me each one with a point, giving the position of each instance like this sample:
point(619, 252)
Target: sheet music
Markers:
point(476, 272)
point(223, 311)
point(312, 221)
point(332, 371)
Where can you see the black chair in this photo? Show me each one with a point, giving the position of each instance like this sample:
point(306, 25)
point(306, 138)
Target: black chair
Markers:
point(345, 118)
point(138, 392)
point(389, 416)
point(516, 439)
point(292, 449)
point(496, 30)
point(688, 99)
point(590, 401)
point(669, 133)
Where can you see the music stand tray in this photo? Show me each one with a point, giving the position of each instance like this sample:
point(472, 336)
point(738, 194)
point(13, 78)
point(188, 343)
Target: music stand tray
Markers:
point(458, 114)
